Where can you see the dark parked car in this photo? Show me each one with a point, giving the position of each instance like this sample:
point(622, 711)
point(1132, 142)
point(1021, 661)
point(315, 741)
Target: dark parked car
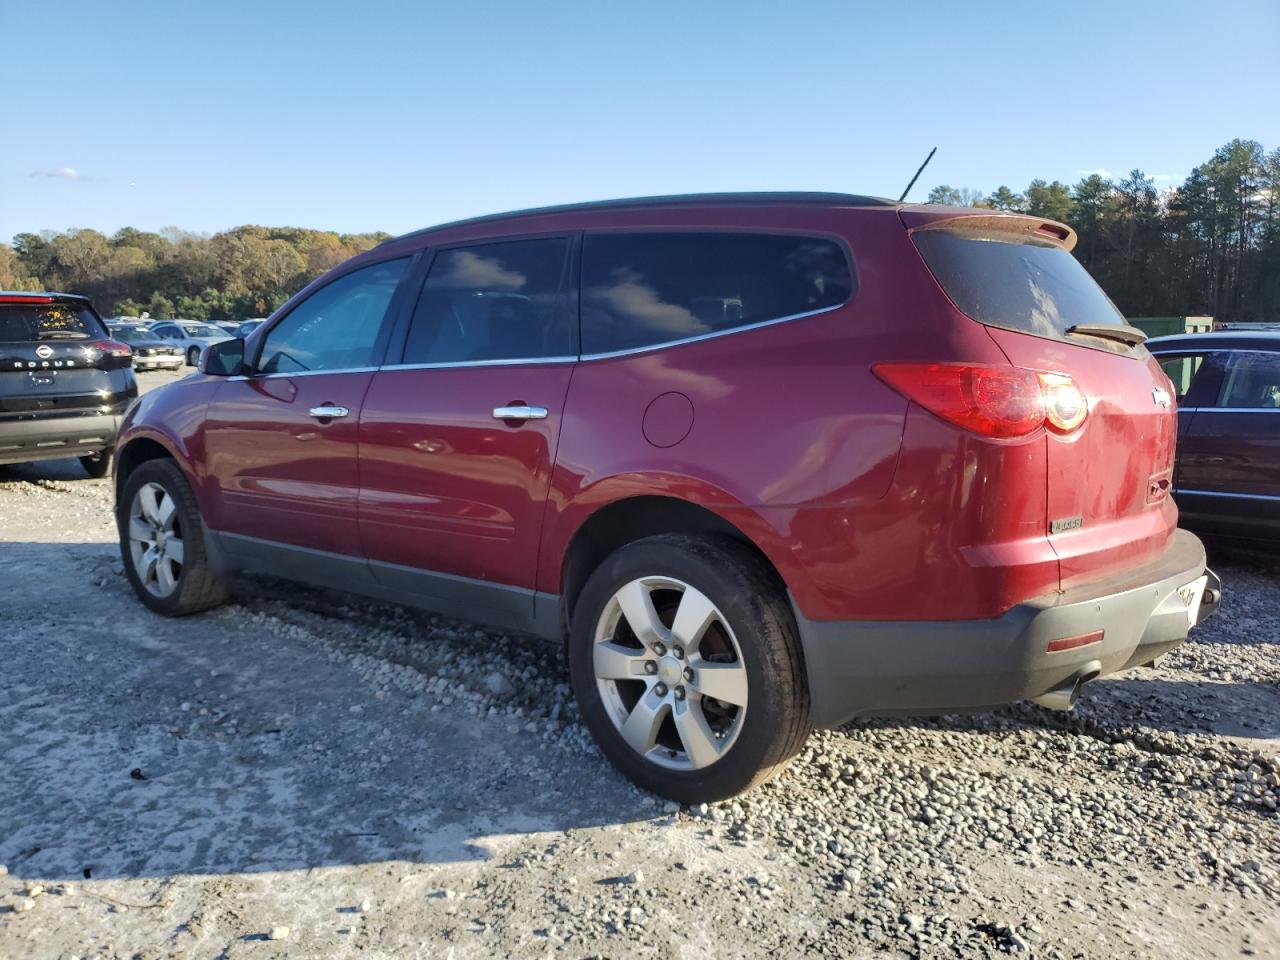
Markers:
point(149, 351)
point(767, 461)
point(64, 382)
point(1227, 479)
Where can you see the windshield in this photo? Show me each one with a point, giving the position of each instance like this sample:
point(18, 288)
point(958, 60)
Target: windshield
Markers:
point(46, 321)
point(203, 330)
point(1030, 287)
point(131, 334)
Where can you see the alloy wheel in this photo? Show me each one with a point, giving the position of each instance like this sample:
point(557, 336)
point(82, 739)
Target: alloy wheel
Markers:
point(670, 673)
point(155, 539)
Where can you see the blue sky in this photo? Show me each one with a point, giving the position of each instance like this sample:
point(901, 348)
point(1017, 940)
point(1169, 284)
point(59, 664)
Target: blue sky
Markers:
point(391, 115)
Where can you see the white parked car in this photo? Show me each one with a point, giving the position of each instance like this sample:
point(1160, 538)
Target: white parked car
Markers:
point(191, 335)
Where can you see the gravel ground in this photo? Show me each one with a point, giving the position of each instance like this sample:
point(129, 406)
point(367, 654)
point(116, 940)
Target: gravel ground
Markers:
point(307, 774)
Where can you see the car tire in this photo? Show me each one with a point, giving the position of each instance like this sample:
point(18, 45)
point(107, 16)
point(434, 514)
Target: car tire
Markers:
point(647, 699)
point(193, 357)
point(155, 510)
point(97, 465)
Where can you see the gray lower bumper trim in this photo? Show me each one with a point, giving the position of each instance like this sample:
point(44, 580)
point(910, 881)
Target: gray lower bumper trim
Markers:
point(862, 668)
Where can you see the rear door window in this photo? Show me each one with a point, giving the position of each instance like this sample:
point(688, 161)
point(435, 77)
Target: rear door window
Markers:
point(1027, 286)
point(644, 289)
point(26, 322)
point(505, 301)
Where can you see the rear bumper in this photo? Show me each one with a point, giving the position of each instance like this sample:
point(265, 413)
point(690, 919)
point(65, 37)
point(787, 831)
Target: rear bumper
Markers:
point(867, 668)
point(24, 441)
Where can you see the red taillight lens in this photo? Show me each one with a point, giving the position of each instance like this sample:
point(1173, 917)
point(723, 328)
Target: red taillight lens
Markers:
point(1002, 402)
point(112, 348)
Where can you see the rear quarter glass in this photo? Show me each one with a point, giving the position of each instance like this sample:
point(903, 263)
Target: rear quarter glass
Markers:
point(1017, 283)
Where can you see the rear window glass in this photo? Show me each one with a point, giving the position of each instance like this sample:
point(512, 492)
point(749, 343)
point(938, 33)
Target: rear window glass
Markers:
point(45, 321)
point(1033, 288)
point(642, 289)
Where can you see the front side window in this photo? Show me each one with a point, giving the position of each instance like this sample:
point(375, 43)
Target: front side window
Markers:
point(1252, 381)
point(337, 327)
point(643, 289)
point(495, 301)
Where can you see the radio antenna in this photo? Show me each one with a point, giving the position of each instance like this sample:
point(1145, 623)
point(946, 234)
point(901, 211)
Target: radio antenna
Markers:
point(917, 176)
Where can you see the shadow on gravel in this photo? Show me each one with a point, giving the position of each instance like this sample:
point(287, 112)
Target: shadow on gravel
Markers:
point(235, 742)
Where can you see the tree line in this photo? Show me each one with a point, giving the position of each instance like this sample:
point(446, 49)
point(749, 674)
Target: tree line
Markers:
point(241, 273)
point(1208, 246)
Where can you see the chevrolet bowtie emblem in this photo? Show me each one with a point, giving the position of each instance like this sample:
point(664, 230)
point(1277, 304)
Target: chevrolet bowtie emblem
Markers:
point(1161, 396)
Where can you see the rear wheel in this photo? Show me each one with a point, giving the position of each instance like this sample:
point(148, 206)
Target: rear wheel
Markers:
point(162, 542)
point(193, 357)
point(96, 465)
point(687, 667)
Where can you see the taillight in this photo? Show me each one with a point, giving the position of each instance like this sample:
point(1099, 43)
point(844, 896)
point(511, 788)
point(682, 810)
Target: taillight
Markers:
point(992, 401)
point(111, 348)
point(1064, 404)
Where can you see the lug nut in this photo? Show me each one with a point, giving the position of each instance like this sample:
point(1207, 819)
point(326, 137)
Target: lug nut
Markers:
point(679, 652)
point(659, 649)
point(679, 693)
point(650, 667)
point(660, 689)
point(688, 674)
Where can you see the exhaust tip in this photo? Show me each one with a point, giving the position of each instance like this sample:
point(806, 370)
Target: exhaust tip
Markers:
point(1064, 696)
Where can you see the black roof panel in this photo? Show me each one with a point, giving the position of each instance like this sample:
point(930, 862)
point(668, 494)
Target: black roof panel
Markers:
point(775, 198)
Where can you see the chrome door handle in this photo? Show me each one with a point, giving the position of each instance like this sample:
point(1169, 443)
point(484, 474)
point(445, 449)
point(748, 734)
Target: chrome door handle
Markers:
point(329, 412)
point(520, 413)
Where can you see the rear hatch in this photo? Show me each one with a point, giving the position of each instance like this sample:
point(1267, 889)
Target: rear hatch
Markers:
point(56, 360)
point(1108, 505)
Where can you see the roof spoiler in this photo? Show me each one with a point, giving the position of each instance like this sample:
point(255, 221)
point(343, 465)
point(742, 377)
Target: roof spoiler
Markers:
point(978, 221)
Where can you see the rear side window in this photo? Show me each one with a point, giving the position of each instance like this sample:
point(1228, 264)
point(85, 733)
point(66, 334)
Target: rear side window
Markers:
point(642, 289)
point(337, 327)
point(495, 301)
point(21, 322)
point(1029, 287)
point(1252, 382)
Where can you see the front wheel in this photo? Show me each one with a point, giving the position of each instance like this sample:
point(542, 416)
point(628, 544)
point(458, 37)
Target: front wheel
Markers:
point(686, 664)
point(162, 542)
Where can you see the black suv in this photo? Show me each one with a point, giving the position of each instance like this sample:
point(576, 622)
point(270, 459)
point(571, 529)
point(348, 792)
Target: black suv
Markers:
point(64, 383)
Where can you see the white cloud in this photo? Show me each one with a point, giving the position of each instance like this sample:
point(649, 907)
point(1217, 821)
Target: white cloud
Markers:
point(1101, 171)
point(1158, 177)
point(60, 173)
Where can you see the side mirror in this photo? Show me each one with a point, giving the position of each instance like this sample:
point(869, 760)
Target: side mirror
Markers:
point(223, 359)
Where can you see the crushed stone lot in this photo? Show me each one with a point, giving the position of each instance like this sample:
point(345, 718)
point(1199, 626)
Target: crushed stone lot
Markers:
point(304, 773)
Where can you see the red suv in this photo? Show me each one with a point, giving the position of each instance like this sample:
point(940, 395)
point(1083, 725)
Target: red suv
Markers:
point(766, 460)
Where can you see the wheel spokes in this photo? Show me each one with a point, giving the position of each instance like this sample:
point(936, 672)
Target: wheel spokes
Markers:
point(164, 513)
point(613, 661)
point(642, 726)
point(695, 613)
point(637, 606)
point(723, 681)
point(699, 742)
point(140, 530)
point(165, 576)
point(149, 503)
point(174, 550)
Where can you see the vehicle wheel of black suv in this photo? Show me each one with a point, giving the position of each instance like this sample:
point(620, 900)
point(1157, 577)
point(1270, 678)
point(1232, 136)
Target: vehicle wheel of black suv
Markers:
point(162, 542)
point(687, 667)
point(97, 465)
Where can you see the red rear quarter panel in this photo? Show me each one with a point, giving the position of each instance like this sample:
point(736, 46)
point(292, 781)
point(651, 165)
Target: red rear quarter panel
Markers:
point(793, 439)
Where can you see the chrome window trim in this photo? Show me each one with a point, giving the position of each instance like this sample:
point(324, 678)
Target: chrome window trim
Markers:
point(1219, 493)
point(630, 351)
point(445, 365)
point(301, 373)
